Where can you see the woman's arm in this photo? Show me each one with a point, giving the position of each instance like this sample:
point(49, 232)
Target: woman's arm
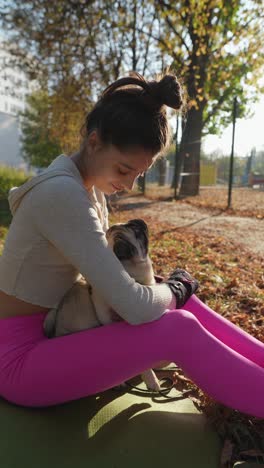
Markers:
point(63, 214)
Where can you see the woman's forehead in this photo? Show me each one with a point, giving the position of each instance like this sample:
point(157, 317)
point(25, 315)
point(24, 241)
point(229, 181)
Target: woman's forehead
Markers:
point(135, 160)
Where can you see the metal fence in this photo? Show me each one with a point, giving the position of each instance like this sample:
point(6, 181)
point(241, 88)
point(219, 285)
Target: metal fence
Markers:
point(159, 179)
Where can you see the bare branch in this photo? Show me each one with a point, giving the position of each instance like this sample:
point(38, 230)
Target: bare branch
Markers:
point(148, 44)
point(171, 25)
point(165, 44)
point(216, 107)
point(236, 33)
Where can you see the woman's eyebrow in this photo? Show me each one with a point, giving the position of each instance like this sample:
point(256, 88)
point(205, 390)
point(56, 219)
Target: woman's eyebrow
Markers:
point(128, 167)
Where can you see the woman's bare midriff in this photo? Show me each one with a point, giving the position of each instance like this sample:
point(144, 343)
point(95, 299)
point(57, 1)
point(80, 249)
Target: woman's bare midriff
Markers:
point(11, 306)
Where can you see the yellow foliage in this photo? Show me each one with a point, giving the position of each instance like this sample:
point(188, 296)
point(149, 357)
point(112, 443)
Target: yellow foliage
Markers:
point(67, 118)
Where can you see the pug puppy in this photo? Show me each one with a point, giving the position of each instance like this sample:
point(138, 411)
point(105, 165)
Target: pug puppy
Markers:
point(82, 307)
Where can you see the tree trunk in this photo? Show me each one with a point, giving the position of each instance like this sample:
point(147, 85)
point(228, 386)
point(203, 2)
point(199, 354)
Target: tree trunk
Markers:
point(190, 153)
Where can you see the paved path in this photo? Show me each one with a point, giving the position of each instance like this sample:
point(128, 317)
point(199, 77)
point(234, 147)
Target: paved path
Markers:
point(246, 231)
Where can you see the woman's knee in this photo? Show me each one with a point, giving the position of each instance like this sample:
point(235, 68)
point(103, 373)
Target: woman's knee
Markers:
point(181, 317)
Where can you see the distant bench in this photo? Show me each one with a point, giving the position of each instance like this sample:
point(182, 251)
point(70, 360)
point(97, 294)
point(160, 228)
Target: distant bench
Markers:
point(256, 179)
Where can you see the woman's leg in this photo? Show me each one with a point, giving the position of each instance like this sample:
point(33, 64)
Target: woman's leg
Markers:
point(44, 372)
point(226, 331)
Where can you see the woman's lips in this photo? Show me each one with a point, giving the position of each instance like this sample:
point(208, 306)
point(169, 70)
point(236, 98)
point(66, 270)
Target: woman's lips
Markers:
point(116, 188)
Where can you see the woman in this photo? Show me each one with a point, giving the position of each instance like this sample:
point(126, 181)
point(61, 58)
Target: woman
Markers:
point(58, 231)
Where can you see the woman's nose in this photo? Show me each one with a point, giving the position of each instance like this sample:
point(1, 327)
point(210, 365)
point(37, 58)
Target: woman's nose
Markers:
point(130, 183)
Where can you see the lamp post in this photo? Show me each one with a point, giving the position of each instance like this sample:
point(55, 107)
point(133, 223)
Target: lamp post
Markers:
point(176, 163)
point(232, 154)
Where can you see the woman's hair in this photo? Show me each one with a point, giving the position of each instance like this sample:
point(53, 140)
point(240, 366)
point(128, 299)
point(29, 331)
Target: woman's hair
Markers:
point(131, 112)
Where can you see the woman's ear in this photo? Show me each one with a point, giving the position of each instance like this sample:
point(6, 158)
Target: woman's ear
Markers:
point(93, 142)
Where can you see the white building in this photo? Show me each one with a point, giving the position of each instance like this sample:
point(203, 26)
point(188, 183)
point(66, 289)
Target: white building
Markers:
point(14, 87)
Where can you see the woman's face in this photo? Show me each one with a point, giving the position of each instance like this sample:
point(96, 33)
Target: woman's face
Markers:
point(111, 170)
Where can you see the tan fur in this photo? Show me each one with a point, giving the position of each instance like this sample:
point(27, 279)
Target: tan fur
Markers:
point(83, 307)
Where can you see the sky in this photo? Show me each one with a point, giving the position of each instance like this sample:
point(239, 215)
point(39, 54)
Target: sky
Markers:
point(249, 133)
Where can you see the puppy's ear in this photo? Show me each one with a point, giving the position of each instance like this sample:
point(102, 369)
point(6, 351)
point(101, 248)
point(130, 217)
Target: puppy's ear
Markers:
point(112, 229)
point(140, 230)
point(138, 225)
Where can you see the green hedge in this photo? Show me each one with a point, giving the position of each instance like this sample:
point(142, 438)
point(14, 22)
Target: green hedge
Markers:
point(9, 177)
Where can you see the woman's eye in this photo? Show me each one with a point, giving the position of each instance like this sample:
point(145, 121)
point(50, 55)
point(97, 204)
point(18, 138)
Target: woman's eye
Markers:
point(121, 172)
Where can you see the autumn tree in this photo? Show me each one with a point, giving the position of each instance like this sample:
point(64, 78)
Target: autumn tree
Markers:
point(93, 41)
point(216, 46)
point(39, 148)
point(88, 43)
point(51, 123)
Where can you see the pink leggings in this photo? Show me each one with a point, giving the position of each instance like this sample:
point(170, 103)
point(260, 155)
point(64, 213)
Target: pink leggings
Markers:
point(219, 357)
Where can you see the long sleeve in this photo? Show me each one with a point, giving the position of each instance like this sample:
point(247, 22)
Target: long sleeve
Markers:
point(64, 215)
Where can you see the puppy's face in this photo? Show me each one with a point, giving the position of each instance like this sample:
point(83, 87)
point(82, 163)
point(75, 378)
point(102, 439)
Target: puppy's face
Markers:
point(129, 242)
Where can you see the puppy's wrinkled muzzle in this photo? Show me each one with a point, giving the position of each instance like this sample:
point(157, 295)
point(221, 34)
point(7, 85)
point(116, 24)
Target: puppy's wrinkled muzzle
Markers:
point(123, 248)
point(129, 240)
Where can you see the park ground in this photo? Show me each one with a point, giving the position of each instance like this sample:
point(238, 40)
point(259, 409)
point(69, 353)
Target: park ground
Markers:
point(224, 250)
point(205, 214)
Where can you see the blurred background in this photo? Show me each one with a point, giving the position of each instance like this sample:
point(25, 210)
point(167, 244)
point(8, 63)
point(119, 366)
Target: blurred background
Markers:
point(204, 202)
point(57, 57)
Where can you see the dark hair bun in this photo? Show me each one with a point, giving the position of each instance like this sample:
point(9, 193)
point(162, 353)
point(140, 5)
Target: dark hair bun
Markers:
point(167, 91)
point(154, 94)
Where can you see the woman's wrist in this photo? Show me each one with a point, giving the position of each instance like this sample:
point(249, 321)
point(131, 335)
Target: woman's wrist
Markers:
point(183, 286)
